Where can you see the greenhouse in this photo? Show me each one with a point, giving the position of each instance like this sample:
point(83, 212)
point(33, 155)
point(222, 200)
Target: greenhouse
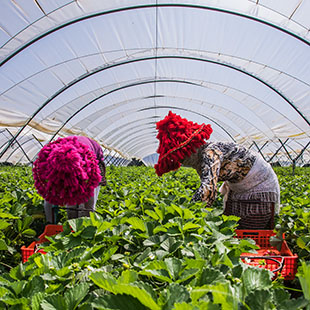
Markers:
point(111, 69)
point(114, 71)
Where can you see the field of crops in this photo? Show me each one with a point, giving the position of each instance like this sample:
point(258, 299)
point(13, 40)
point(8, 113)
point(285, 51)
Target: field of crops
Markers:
point(147, 247)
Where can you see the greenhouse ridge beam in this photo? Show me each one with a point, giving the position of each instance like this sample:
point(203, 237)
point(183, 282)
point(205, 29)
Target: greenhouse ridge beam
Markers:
point(181, 5)
point(84, 76)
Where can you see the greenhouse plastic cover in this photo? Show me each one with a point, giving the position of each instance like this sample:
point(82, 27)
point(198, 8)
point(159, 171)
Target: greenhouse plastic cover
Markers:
point(110, 70)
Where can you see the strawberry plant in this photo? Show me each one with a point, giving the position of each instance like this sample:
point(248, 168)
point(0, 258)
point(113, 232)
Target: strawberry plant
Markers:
point(147, 247)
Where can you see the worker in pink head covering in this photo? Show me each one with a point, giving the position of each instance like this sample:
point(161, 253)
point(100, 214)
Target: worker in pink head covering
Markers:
point(69, 171)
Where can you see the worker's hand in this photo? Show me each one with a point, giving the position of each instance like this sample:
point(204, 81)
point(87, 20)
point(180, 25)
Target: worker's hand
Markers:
point(198, 195)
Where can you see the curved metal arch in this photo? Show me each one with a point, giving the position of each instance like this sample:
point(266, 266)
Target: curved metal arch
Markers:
point(192, 100)
point(183, 49)
point(210, 82)
point(136, 7)
point(142, 140)
point(113, 130)
point(84, 76)
point(141, 134)
point(133, 132)
point(175, 108)
point(138, 147)
point(134, 129)
point(144, 119)
point(37, 20)
point(124, 87)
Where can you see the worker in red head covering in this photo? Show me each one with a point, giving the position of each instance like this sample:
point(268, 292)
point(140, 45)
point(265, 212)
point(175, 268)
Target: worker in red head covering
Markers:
point(250, 188)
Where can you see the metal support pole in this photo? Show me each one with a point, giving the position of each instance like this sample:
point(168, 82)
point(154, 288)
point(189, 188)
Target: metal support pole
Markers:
point(277, 151)
point(19, 145)
point(259, 149)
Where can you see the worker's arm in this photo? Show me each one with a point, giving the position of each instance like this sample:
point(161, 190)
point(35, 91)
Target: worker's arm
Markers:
point(210, 169)
point(102, 168)
point(48, 209)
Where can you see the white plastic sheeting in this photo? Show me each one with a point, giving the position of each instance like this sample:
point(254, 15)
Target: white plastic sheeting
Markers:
point(111, 69)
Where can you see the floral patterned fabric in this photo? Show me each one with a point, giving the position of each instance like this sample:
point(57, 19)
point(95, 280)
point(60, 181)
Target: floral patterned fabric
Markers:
point(232, 163)
point(219, 161)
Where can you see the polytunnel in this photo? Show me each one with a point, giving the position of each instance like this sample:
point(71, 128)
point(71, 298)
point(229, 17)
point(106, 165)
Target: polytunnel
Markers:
point(110, 70)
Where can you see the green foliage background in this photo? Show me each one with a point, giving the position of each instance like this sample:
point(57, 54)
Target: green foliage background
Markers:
point(148, 247)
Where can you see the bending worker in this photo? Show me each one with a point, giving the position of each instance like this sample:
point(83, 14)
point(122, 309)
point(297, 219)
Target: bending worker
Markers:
point(251, 189)
point(68, 172)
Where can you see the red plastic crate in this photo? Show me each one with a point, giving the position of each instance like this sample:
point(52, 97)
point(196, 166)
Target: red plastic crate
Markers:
point(271, 256)
point(50, 230)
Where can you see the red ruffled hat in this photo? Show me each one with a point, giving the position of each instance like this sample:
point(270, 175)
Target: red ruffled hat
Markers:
point(66, 172)
point(178, 138)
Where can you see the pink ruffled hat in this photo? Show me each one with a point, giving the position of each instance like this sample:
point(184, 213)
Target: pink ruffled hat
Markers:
point(66, 172)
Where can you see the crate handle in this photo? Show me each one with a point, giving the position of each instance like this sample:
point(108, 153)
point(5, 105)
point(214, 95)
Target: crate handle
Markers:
point(273, 258)
point(36, 248)
point(250, 233)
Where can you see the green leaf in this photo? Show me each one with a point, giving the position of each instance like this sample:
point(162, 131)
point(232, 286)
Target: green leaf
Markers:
point(136, 223)
point(177, 209)
point(173, 266)
point(27, 221)
point(29, 232)
point(34, 286)
point(301, 242)
point(117, 302)
point(4, 224)
point(171, 245)
point(23, 301)
point(161, 275)
point(152, 214)
point(187, 274)
point(88, 232)
point(105, 281)
point(259, 300)
point(202, 305)
point(221, 248)
point(3, 245)
point(225, 295)
point(128, 276)
point(225, 260)
point(75, 295)
point(153, 240)
point(304, 278)
point(159, 211)
point(256, 278)
point(188, 214)
point(18, 272)
point(36, 301)
point(53, 302)
point(190, 225)
point(108, 283)
point(18, 286)
point(76, 224)
point(176, 293)
point(108, 254)
point(8, 216)
point(210, 275)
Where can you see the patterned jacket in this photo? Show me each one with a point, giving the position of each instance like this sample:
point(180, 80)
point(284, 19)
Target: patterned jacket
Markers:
point(219, 161)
